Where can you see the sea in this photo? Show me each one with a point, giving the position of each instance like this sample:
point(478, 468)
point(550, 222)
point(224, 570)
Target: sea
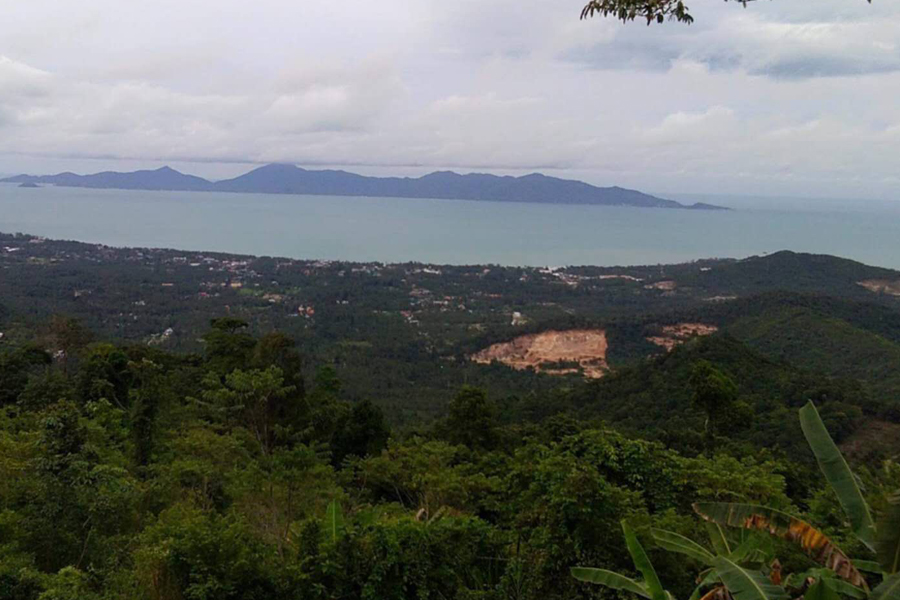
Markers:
point(448, 231)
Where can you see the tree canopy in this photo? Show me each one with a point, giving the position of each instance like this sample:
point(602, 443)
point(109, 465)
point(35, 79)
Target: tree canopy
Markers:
point(653, 11)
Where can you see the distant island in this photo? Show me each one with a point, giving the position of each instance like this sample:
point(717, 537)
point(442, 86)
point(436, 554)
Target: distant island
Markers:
point(290, 179)
point(29, 184)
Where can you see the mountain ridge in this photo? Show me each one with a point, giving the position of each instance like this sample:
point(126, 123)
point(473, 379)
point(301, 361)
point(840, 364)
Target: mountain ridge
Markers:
point(279, 178)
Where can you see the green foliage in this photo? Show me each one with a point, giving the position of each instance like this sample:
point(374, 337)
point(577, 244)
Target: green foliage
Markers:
point(16, 368)
point(472, 420)
point(69, 584)
point(811, 540)
point(610, 580)
point(228, 347)
point(193, 554)
point(889, 588)
point(642, 563)
point(744, 584)
point(713, 392)
point(887, 542)
point(838, 474)
point(675, 542)
point(365, 433)
point(132, 471)
point(252, 398)
point(334, 520)
point(628, 10)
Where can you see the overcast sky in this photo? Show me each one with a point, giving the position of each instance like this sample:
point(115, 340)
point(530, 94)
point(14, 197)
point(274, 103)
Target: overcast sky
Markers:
point(791, 97)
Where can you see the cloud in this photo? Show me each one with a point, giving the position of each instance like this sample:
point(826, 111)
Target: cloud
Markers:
point(781, 96)
point(759, 45)
point(805, 50)
point(22, 80)
point(681, 127)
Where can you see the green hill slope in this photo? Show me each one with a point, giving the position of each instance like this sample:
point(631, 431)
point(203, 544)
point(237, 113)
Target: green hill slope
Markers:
point(653, 399)
point(824, 343)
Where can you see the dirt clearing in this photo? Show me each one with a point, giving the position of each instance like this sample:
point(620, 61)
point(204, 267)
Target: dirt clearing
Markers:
point(553, 352)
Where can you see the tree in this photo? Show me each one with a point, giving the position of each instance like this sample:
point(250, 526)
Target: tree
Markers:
point(653, 11)
point(104, 373)
point(66, 336)
point(365, 433)
point(145, 400)
point(716, 394)
point(252, 397)
point(278, 350)
point(629, 10)
point(228, 346)
point(472, 420)
point(15, 369)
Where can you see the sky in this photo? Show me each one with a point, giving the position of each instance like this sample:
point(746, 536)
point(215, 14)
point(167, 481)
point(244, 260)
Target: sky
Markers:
point(781, 98)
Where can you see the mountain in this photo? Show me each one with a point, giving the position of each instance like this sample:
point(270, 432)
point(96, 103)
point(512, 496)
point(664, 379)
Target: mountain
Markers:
point(289, 179)
point(159, 179)
point(537, 188)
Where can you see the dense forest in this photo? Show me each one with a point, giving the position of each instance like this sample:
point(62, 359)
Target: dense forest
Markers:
point(178, 425)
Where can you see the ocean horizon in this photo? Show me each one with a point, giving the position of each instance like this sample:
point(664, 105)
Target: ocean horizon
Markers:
point(441, 231)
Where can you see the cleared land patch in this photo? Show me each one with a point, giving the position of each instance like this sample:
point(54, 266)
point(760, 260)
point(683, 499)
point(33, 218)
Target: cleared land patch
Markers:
point(882, 286)
point(672, 335)
point(549, 351)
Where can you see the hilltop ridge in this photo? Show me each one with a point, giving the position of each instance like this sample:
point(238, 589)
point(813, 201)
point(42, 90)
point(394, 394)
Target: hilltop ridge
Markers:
point(279, 178)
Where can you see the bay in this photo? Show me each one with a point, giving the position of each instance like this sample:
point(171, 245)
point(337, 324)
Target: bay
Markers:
point(440, 231)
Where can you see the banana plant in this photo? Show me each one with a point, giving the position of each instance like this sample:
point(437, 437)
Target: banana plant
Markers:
point(804, 582)
point(816, 544)
point(727, 569)
point(883, 539)
point(746, 550)
point(745, 553)
point(334, 521)
point(747, 584)
point(650, 588)
point(838, 474)
point(887, 540)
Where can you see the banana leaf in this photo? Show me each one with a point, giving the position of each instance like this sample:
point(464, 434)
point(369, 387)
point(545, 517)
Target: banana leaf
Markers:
point(820, 591)
point(838, 473)
point(675, 542)
point(719, 592)
point(842, 587)
point(749, 552)
point(334, 520)
point(889, 589)
point(797, 581)
point(705, 579)
point(747, 585)
point(887, 542)
point(814, 542)
point(718, 538)
point(868, 566)
point(643, 564)
point(610, 580)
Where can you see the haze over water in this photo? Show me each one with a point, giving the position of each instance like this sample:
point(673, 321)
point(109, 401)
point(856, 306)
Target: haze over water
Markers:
point(440, 231)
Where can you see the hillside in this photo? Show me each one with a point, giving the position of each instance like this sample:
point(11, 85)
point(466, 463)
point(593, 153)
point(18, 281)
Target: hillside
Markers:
point(289, 179)
point(827, 343)
point(198, 419)
point(653, 398)
point(403, 333)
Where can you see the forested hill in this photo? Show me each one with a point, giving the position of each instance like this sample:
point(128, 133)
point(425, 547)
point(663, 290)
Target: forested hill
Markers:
point(190, 425)
point(401, 334)
point(289, 179)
